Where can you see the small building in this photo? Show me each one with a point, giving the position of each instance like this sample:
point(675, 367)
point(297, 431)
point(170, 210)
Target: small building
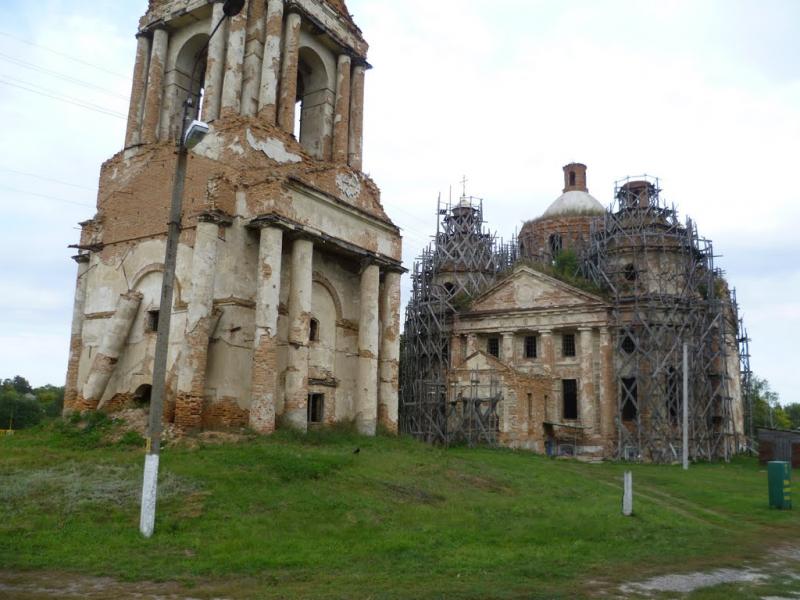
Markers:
point(778, 444)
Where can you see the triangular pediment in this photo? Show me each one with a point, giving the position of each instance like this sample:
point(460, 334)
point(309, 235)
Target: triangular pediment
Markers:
point(528, 289)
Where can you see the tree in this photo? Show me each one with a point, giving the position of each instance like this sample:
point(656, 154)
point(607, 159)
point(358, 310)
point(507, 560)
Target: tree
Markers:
point(767, 410)
point(19, 384)
point(17, 411)
point(793, 412)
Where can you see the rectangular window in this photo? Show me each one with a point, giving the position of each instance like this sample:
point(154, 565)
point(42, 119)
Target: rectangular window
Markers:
point(530, 406)
point(530, 346)
point(630, 393)
point(152, 320)
point(316, 408)
point(493, 346)
point(570, 393)
point(568, 344)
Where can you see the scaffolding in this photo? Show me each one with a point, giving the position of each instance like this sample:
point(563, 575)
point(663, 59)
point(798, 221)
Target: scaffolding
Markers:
point(665, 292)
point(462, 260)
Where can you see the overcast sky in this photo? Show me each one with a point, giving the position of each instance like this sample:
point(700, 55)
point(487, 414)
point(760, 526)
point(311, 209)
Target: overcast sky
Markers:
point(704, 94)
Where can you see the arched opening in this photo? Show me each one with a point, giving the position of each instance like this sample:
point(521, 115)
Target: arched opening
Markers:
point(572, 178)
point(630, 272)
point(142, 395)
point(316, 96)
point(187, 75)
point(313, 331)
point(555, 244)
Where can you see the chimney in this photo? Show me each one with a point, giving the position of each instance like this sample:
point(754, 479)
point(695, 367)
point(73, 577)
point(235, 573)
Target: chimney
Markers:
point(575, 178)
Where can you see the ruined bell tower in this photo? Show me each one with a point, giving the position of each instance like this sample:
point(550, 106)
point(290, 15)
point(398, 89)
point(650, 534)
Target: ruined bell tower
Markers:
point(286, 306)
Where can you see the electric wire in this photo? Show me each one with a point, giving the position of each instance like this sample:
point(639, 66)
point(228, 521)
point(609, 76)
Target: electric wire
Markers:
point(67, 78)
point(75, 185)
point(66, 99)
point(59, 53)
point(27, 193)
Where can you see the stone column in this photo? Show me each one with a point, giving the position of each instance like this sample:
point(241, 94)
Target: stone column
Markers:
point(109, 351)
point(264, 381)
point(200, 320)
point(356, 118)
point(508, 347)
point(133, 134)
point(234, 63)
point(76, 334)
point(288, 86)
point(295, 408)
point(155, 86)
point(341, 116)
point(253, 55)
point(367, 376)
point(215, 66)
point(548, 350)
point(456, 350)
point(608, 396)
point(587, 378)
point(271, 66)
point(472, 344)
point(390, 351)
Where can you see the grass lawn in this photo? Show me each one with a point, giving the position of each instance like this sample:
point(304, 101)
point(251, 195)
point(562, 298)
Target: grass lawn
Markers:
point(292, 516)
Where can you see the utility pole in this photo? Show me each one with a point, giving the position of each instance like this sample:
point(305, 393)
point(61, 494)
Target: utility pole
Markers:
point(685, 406)
point(191, 134)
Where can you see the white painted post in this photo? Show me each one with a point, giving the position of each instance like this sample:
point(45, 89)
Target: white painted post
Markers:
point(685, 406)
point(627, 494)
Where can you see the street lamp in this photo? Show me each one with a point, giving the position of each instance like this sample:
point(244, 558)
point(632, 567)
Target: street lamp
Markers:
point(192, 132)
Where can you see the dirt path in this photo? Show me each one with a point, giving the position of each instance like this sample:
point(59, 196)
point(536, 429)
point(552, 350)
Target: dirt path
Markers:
point(775, 577)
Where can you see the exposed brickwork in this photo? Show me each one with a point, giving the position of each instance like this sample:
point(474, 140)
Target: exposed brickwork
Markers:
point(188, 412)
point(224, 413)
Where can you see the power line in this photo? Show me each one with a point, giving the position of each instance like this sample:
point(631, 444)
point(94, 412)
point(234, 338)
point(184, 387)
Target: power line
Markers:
point(10, 189)
point(67, 78)
point(68, 100)
point(75, 185)
point(73, 58)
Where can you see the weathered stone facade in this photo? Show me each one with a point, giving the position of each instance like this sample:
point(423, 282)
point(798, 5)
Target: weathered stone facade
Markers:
point(286, 303)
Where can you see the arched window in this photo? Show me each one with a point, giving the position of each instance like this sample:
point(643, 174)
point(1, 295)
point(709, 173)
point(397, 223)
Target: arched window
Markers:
point(555, 244)
point(630, 272)
point(313, 331)
point(142, 394)
point(316, 95)
point(572, 178)
point(186, 75)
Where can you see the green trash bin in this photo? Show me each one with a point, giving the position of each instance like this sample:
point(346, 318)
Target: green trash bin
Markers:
point(779, 474)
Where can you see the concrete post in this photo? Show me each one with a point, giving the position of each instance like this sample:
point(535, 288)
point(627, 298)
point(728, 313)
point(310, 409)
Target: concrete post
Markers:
point(133, 134)
point(215, 66)
point(199, 321)
point(155, 86)
point(299, 321)
point(76, 334)
point(109, 351)
point(234, 63)
point(253, 55)
point(586, 378)
point(390, 351)
point(341, 117)
point(367, 376)
point(627, 494)
point(508, 347)
point(288, 86)
point(265, 342)
point(271, 66)
point(357, 118)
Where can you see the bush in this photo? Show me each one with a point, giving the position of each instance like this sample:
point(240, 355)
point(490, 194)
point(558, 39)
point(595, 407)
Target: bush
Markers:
point(17, 411)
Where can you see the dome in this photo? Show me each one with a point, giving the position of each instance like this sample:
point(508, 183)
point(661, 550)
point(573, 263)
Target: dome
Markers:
point(574, 202)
